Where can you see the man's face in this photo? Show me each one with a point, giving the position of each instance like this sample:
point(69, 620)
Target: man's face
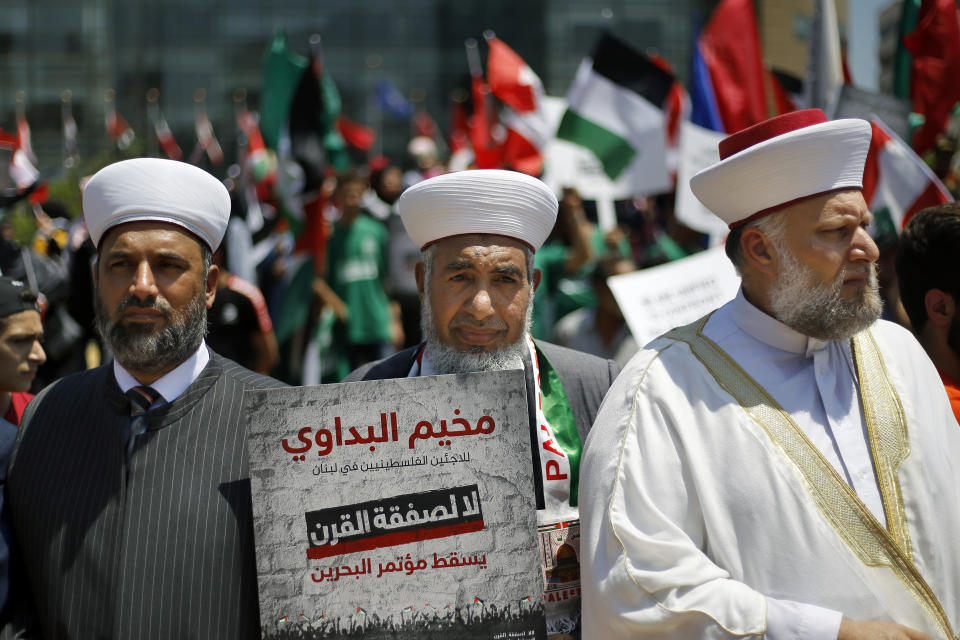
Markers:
point(477, 302)
point(152, 295)
point(20, 350)
point(826, 284)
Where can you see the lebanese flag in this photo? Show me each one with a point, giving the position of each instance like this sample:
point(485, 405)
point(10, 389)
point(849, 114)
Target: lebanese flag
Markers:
point(934, 90)
point(24, 174)
point(118, 129)
point(207, 139)
point(515, 84)
point(165, 138)
point(257, 159)
point(897, 179)
point(730, 48)
point(23, 137)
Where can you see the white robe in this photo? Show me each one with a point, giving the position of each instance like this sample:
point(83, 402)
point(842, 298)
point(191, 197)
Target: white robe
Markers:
point(696, 518)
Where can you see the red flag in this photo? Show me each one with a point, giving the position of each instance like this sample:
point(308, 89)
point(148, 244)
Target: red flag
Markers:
point(515, 84)
point(165, 137)
point(22, 171)
point(423, 125)
point(23, 137)
point(487, 152)
point(934, 90)
point(357, 135)
point(206, 139)
point(117, 128)
point(459, 128)
point(730, 46)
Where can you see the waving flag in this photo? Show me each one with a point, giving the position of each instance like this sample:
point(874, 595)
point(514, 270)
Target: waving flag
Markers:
point(824, 62)
point(515, 84)
point(206, 139)
point(165, 135)
point(895, 179)
point(392, 102)
point(615, 110)
point(733, 60)
point(934, 90)
point(117, 128)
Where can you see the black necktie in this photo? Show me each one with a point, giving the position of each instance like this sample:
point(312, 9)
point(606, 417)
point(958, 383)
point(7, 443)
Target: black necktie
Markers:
point(141, 398)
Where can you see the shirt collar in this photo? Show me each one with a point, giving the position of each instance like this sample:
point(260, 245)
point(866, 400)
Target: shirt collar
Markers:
point(173, 383)
point(770, 331)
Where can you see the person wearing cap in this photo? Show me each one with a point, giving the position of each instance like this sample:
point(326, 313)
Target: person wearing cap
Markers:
point(786, 466)
point(478, 231)
point(21, 354)
point(128, 486)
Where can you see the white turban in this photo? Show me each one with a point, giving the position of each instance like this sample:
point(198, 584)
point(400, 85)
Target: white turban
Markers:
point(159, 190)
point(493, 201)
point(781, 161)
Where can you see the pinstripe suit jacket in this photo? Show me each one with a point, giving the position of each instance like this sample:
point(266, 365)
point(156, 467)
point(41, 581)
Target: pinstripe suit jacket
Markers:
point(160, 549)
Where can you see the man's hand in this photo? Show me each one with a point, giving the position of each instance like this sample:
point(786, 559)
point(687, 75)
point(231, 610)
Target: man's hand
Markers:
point(850, 630)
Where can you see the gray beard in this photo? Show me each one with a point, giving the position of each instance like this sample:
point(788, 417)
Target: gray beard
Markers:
point(149, 349)
point(817, 309)
point(446, 359)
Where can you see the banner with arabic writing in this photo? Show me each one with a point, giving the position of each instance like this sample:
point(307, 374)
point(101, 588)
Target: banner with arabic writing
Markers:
point(396, 508)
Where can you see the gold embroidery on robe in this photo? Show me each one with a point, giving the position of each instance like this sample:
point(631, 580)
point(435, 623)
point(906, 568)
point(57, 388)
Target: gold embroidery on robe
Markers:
point(843, 509)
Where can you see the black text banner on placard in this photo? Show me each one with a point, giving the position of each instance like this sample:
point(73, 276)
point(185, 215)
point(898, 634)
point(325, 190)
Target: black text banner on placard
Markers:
point(393, 507)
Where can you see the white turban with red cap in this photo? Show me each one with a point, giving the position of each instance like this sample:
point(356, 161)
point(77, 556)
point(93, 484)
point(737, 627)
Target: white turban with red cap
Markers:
point(781, 161)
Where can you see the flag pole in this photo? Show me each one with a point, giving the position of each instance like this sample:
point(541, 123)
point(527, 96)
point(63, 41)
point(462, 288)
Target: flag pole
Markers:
point(153, 97)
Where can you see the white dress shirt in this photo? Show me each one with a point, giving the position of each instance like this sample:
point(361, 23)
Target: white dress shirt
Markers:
point(172, 383)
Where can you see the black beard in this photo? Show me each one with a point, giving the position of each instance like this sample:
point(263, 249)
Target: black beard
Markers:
point(150, 349)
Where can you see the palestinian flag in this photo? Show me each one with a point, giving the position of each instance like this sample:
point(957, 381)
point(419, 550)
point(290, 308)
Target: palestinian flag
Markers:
point(206, 139)
point(408, 609)
point(477, 602)
point(616, 110)
point(361, 612)
point(283, 620)
point(896, 182)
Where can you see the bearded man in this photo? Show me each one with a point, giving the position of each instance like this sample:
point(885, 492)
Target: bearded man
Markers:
point(785, 467)
point(128, 485)
point(477, 231)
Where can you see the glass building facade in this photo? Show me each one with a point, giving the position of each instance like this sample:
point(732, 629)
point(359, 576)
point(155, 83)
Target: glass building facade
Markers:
point(179, 46)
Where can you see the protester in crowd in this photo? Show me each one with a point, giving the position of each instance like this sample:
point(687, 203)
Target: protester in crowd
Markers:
point(785, 466)
point(128, 486)
point(478, 231)
point(240, 325)
point(402, 254)
point(356, 274)
point(600, 330)
point(21, 354)
point(426, 158)
point(561, 262)
point(929, 278)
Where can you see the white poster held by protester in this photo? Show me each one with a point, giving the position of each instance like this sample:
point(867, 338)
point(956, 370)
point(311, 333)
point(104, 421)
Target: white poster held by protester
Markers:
point(396, 508)
point(670, 295)
point(698, 150)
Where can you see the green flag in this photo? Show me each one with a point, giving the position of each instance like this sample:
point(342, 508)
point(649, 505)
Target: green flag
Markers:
point(282, 71)
point(903, 61)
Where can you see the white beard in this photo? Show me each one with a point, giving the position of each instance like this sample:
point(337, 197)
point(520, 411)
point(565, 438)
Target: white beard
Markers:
point(446, 359)
point(817, 309)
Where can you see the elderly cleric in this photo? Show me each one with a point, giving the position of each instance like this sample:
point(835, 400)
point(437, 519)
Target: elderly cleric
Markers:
point(786, 466)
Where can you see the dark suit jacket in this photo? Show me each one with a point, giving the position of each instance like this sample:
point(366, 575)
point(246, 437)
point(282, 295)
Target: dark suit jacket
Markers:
point(585, 379)
point(161, 547)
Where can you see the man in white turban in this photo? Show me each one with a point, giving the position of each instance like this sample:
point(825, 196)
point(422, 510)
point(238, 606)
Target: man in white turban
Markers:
point(786, 466)
point(128, 485)
point(477, 231)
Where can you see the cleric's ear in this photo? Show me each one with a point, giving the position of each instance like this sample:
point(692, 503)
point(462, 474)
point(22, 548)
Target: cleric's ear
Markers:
point(940, 307)
point(537, 277)
point(758, 251)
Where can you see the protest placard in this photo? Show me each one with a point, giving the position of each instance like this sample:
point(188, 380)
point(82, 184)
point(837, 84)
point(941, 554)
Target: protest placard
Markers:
point(401, 506)
point(670, 295)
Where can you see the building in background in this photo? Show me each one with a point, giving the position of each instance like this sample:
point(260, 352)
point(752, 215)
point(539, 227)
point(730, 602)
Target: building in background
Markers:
point(180, 46)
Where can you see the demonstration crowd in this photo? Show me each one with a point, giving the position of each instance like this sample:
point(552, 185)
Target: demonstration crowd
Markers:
point(785, 467)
